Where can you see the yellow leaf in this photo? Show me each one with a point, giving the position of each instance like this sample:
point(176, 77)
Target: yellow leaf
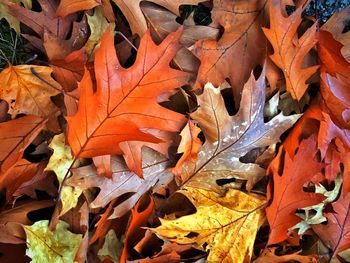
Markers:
point(228, 225)
point(44, 245)
point(26, 93)
point(60, 161)
point(98, 24)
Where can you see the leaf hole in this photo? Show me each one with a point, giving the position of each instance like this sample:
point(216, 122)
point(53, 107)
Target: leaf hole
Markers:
point(192, 235)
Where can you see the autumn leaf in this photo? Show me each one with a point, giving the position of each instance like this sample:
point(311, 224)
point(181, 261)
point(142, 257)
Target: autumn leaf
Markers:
point(227, 225)
point(11, 220)
point(240, 48)
point(190, 145)
point(109, 250)
point(289, 50)
point(281, 213)
point(269, 255)
point(15, 136)
point(230, 137)
point(58, 246)
point(335, 233)
point(60, 162)
point(125, 104)
point(123, 181)
point(28, 88)
point(13, 22)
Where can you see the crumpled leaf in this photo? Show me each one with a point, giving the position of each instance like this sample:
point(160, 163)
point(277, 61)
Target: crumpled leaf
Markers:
point(227, 225)
point(58, 246)
point(15, 136)
point(125, 105)
point(289, 50)
point(230, 137)
point(241, 47)
point(28, 92)
point(284, 184)
point(123, 181)
point(11, 231)
point(60, 161)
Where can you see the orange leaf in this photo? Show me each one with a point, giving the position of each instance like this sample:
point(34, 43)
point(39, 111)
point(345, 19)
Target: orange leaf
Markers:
point(15, 136)
point(67, 7)
point(189, 146)
point(125, 104)
point(289, 50)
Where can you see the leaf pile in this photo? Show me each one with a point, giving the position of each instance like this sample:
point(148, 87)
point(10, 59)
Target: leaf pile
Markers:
point(137, 134)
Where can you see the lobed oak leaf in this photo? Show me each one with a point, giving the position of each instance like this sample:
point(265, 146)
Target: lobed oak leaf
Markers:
point(11, 221)
point(13, 22)
point(67, 7)
point(241, 47)
point(60, 162)
point(28, 88)
point(289, 50)
point(123, 181)
point(295, 174)
point(227, 225)
point(162, 21)
point(58, 246)
point(125, 105)
point(335, 234)
point(15, 136)
point(230, 137)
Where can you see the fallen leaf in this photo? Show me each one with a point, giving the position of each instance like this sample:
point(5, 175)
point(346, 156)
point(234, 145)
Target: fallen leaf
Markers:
point(241, 47)
point(112, 248)
point(11, 220)
point(57, 246)
point(123, 181)
point(60, 162)
point(190, 145)
point(230, 137)
point(15, 136)
point(295, 174)
point(28, 88)
point(227, 225)
point(13, 22)
point(125, 104)
point(289, 50)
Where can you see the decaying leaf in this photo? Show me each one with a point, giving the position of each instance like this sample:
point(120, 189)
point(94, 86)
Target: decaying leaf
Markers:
point(227, 225)
point(230, 137)
point(58, 246)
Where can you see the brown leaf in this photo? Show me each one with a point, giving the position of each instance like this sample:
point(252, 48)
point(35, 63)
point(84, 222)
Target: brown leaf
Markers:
point(269, 255)
point(11, 221)
point(123, 181)
point(230, 137)
point(241, 47)
point(15, 136)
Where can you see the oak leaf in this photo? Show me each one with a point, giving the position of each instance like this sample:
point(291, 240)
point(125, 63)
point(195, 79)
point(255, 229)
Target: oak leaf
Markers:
point(60, 162)
point(11, 220)
point(125, 104)
point(15, 136)
point(123, 181)
point(295, 174)
point(28, 88)
point(227, 225)
point(269, 255)
point(13, 22)
point(58, 246)
point(230, 137)
point(289, 50)
point(241, 47)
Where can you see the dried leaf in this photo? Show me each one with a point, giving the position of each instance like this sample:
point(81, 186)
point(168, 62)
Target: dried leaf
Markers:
point(227, 225)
